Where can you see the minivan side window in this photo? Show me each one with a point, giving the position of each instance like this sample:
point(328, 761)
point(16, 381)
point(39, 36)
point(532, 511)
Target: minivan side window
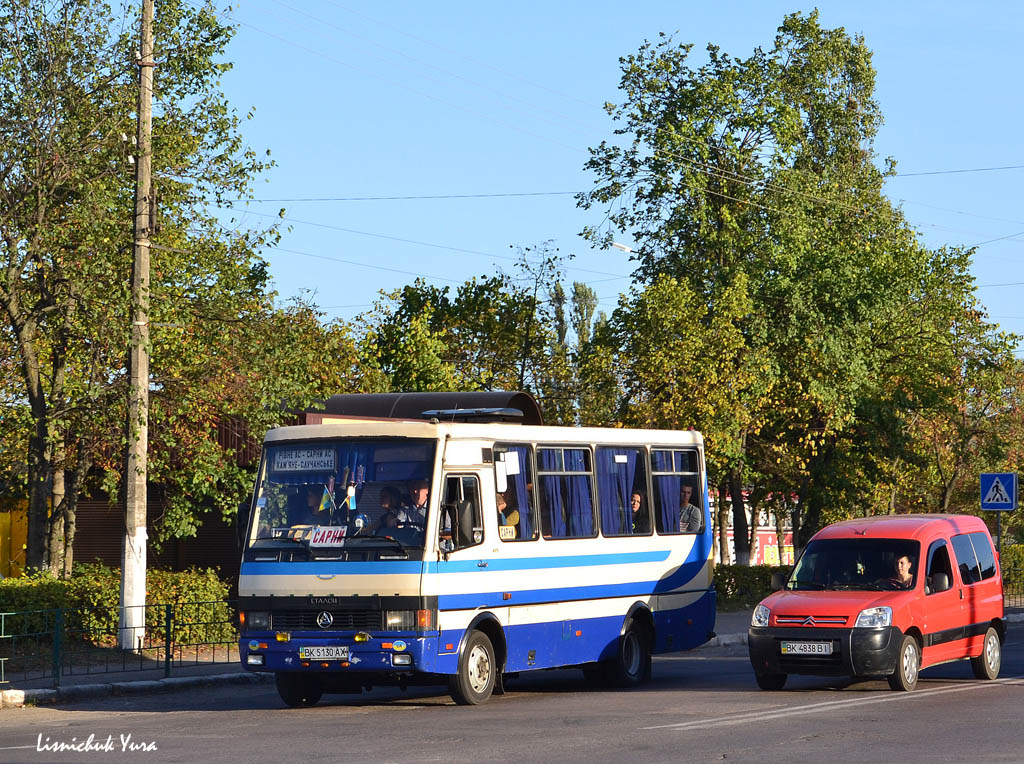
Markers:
point(939, 577)
point(967, 561)
point(983, 548)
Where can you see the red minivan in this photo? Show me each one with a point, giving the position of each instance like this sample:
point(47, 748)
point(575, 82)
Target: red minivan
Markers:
point(884, 596)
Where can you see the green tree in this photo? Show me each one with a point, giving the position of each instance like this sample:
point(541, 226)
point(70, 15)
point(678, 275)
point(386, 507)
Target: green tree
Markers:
point(753, 182)
point(68, 96)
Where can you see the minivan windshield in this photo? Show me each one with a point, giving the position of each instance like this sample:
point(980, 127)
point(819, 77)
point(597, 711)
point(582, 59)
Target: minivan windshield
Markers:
point(329, 494)
point(857, 564)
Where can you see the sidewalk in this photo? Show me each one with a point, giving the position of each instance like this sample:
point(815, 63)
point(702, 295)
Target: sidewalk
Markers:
point(17, 693)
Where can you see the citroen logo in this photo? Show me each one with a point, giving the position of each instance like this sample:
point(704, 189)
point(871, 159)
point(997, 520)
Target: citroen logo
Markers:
point(324, 620)
point(809, 621)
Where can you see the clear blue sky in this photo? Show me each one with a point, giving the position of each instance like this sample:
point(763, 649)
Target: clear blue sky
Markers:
point(395, 99)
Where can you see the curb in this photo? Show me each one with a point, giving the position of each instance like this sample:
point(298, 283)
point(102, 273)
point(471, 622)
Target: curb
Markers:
point(19, 698)
point(726, 640)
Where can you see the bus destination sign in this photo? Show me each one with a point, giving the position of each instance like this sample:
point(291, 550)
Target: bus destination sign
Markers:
point(304, 460)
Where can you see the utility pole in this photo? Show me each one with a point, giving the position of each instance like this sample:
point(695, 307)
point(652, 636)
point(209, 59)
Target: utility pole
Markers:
point(132, 628)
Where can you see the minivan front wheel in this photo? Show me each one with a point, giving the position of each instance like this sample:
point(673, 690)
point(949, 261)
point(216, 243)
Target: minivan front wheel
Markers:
point(908, 665)
point(986, 665)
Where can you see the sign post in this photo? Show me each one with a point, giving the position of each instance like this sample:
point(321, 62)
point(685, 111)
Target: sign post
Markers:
point(999, 494)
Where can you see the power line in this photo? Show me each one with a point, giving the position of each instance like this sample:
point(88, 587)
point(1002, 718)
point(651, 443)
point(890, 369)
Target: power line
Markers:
point(956, 172)
point(408, 197)
point(710, 170)
point(425, 243)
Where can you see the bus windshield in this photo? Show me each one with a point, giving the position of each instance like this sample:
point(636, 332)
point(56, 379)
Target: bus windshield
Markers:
point(336, 493)
point(861, 564)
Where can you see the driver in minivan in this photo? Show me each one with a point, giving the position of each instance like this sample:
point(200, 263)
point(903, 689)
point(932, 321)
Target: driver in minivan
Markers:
point(904, 578)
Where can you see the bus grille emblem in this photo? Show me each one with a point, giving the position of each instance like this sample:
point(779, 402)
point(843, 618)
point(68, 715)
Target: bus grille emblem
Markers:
point(324, 620)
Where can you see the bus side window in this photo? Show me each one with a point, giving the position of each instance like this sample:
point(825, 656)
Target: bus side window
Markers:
point(518, 520)
point(461, 518)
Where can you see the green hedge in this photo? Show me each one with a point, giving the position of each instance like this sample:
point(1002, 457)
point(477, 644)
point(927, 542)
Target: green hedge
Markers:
point(743, 586)
point(90, 599)
point(1012, 558)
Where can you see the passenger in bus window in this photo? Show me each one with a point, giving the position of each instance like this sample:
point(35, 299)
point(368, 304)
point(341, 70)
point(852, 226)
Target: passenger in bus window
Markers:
point(387, 522)
point(506, 516)
point(309, 507)
point(690, 516)
point(638, 513)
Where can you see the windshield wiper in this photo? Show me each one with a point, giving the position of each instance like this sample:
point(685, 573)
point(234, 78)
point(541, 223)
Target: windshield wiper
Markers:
point(806, 585)
point(291, 539)
point(385, 539)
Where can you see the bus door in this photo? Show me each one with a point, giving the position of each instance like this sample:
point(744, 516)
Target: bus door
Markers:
point(463, 556)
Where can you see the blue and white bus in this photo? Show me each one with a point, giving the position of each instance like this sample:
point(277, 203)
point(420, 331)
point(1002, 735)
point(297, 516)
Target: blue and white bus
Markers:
point(456, 547)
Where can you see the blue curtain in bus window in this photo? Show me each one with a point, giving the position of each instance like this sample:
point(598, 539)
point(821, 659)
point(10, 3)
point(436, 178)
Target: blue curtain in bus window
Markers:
point(551, 493)
point(614, 485)
point(666, 488)
point(581, 506)
point(355, 465)
point(522, 496)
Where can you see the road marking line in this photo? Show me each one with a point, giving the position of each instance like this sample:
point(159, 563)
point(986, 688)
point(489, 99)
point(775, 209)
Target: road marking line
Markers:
point(829, 705)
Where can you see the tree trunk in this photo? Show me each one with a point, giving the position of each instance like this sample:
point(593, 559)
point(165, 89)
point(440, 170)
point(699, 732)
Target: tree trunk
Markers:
point(778, 510)
point(39, 471)
point(740, 539)
point(813, 501)
point(83, 463)
point(722, 519)
point(58, 504)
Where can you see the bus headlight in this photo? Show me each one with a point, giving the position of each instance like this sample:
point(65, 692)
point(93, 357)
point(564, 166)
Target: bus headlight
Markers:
point(760, 616)
point(400, 620)
point(410, 620)
point(874, 618)
point(256, 619)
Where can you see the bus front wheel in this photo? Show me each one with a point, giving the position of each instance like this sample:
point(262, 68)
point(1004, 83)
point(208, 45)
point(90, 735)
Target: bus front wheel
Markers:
point(474, 682)
point(632, 662)
point(298, 690)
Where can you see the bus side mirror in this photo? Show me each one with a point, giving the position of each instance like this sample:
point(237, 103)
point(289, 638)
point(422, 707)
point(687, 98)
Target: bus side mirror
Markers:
point(242, 522)
point(778, 581)
point(465, 525)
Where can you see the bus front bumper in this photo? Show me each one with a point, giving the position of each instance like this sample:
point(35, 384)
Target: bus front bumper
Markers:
point(341, 653)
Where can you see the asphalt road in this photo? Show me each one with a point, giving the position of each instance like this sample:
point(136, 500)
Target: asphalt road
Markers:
point(700, 706)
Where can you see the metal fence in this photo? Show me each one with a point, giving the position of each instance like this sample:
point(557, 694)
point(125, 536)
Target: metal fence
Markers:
point(1013, 586)
point(41, 644)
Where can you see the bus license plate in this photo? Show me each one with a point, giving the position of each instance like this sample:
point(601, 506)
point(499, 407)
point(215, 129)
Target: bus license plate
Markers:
point(322, 653)
point(806, 648)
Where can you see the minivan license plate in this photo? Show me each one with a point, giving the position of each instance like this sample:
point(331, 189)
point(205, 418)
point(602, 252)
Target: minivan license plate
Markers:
point(806, 648)
point(322, 653)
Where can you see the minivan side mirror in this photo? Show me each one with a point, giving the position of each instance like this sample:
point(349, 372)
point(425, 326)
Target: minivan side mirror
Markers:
point(778, 581)
point(940, 582)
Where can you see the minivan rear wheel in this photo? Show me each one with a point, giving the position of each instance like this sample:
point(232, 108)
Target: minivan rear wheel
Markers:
point(987, 665)
point(908, 665)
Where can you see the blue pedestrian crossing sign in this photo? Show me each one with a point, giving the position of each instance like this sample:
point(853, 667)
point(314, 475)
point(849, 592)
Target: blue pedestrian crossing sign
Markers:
point(999, 490)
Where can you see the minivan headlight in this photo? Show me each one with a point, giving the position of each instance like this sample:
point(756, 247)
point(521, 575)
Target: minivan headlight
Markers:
point(874, 618)
point(760, 616)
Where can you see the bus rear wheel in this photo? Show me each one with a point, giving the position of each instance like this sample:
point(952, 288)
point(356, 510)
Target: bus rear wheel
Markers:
point(474, 682)
point(632, 662)
point(298, 690)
